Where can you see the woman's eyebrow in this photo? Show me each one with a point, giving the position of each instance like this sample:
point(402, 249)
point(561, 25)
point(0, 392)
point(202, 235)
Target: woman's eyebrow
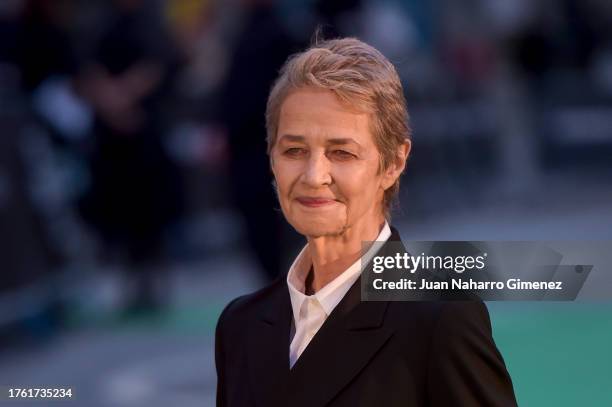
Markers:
point(342, 141)
point(291, 137)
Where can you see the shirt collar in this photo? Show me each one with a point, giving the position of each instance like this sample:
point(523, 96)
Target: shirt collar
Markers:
point(330, 295)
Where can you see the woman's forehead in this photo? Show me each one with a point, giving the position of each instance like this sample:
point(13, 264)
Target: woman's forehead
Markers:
point(319, 113)
point(321, 98)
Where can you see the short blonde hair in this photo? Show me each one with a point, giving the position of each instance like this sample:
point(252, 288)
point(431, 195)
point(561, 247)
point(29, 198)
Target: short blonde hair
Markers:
point(363, 79)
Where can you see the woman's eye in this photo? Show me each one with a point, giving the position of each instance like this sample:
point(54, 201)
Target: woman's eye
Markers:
point(343, 154)
point(295, 152)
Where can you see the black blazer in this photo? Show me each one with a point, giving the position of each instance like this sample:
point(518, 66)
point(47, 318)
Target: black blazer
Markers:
point(365, 354)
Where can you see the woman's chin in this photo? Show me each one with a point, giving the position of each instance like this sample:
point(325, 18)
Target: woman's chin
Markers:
point(318, 227)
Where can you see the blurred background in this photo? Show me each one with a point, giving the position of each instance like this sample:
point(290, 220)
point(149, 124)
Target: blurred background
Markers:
point(135, 196)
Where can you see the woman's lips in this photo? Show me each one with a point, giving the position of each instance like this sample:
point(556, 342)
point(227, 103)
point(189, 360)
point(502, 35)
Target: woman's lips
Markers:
point(315, 202)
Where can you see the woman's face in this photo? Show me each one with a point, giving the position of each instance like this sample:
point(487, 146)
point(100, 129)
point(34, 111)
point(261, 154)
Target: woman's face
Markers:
point(326, 166)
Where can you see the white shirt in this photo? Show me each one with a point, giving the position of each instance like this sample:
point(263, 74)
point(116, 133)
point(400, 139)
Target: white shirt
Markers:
point(311, 311)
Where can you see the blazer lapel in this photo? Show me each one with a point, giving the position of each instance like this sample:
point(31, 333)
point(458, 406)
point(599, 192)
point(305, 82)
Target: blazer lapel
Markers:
point(268, 352)
point(342, 347)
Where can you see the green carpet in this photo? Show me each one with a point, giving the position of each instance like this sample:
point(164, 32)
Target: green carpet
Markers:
point(558, 354)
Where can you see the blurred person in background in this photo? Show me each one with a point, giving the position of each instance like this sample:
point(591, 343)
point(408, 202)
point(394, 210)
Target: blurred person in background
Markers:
point(35, 48)
point(135, 190)
point(261, 48)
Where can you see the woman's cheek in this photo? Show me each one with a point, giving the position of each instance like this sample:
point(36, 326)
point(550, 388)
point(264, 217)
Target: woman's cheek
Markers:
point(350, 177)
point(284, 174)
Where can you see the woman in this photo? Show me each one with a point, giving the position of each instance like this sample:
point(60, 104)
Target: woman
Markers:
point(338, 140)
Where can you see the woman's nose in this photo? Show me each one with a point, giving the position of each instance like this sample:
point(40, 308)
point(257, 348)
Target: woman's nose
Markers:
point(317, 171)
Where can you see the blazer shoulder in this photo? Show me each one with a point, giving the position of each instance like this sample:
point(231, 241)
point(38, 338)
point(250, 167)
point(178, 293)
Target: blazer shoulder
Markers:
point(242, 308)
point(435, 316)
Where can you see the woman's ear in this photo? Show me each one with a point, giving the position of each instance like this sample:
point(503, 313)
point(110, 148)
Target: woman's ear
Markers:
point(398, 165)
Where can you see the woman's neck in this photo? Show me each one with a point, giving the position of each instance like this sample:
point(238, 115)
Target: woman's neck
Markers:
point(331, 255)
